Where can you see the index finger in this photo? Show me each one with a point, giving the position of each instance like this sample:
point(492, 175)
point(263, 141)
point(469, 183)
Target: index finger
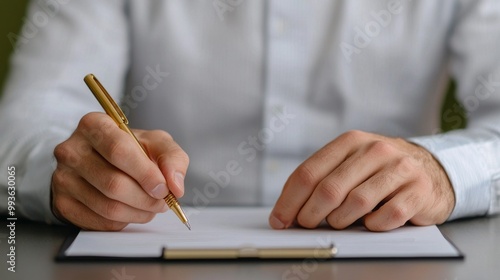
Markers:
point(302, 182)
point(120, 149)
point(169, 157)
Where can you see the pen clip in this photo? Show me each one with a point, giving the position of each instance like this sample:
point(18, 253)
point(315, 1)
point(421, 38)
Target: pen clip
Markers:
point(105, 99)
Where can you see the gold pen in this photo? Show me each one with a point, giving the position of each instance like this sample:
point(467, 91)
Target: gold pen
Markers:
point(114, 111)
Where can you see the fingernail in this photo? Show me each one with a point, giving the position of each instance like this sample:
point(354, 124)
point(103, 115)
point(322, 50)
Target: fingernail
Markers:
point(179, 180)
point(160, 191)
point(276, 223)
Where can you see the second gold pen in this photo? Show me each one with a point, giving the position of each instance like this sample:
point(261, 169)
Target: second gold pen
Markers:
point(114, 111)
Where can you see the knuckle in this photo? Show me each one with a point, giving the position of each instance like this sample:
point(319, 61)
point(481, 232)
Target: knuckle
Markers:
point(304, 176)
point(354, 135)
point(398, 214)
point(61, 207)
point(331, 191)
point(63, 153)
point(95, 126)
point(113, 186)
point(95, 122)
point(58, 179)
point(405, 166)
point(162, 135)
point(112, 210)
point(87, 121)
point(381, 148)
point(57, 204)
point(156, 135)
point(184, 157)
point(406, 162)
point(118, 150)
point(175, 153)
point(360, 201)
point(71, 153)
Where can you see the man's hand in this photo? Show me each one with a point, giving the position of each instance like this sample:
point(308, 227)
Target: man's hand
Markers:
point(103, 181)
point(385, 181)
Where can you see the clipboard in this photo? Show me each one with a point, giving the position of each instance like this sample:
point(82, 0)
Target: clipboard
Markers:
point(247, 253)
point(239, 233)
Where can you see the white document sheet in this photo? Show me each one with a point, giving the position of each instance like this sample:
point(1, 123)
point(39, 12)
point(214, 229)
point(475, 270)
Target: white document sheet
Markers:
point(221, 228)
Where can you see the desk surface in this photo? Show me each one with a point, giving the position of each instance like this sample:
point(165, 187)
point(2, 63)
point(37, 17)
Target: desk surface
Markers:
point(37, 244)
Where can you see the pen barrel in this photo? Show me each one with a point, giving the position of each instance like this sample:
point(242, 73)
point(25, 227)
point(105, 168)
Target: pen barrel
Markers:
point(173, 204)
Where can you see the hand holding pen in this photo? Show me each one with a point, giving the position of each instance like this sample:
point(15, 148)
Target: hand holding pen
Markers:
point(103, 180)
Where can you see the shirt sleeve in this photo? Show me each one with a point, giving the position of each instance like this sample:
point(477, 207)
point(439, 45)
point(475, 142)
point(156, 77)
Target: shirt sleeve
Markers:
point(45, 96)
point(471, 157)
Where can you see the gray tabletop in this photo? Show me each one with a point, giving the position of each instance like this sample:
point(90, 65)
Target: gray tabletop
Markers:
point(37, 245)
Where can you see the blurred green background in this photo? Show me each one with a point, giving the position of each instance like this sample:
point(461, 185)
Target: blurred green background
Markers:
point(12, 13)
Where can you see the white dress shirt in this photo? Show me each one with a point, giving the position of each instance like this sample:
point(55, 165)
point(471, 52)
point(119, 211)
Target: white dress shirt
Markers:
point(250, 89)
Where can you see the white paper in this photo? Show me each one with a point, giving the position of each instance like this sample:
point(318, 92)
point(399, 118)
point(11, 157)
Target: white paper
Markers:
point(218, 228)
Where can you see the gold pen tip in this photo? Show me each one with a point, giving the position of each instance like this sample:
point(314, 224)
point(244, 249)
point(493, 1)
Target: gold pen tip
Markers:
point(188, 225)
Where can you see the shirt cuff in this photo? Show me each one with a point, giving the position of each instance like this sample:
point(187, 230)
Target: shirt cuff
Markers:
point(464, 162)
point(34, 190)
